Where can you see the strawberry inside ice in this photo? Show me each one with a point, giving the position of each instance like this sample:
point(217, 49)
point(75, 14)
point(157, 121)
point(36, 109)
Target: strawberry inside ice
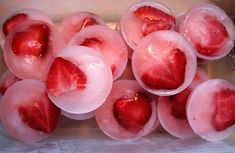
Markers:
point(178, 103)
point(88, 21)
point(13, 22)
point(96, 44)
point(93, 43)
point(10, 80)
point(224, 115)
point(171, 78)
point(212, 36)
point(154, 19)
point(32, 41)
point(133, 112)
point(64, 76)
point(41, 115)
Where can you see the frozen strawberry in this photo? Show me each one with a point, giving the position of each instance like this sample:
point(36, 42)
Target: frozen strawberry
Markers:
point(32, 41)
point(65, 76)
point(87, 22)
point(210, 31)
point(218, 35)
point(154, 19)
point(143, 18)
point(34, 114)
point(225, 105)
point(41, 115)
point(93, 43)
point(74, 23)
point(164, 63)
point(79, 80)
point(128, 113)
point(157, 78)
point(215, 120)
point(13, 21)
point(19, 17)
point(133, 112)
point(6, 80)
point(172, 109)
point(104, 40)
point(30, 48)
point(179, 103)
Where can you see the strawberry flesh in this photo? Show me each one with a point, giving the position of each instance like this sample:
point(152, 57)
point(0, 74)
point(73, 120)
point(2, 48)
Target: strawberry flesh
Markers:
point(96, 44)
point(217, 36)
point(32, 41)
point(10, 80)
point(224, 115)
point(154, 19)
point(132, 112)
point(158, 78)
point(92, 43)
point(85, 23)
point(13, 21)
point(178, 103)
point(40, 115)
point(64, 76)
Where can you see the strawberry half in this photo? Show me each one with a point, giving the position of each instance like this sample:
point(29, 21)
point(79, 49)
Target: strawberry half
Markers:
point(172, 78)
point(10, 80)
point(154, 19)
point(86, 22)
point(224, 116)
point(32, 41)
point(92, 43)
point(178, 103)
point(64, 76)
point(133, 112)
point(13, 21)
point(217, 36)
point(40, 115)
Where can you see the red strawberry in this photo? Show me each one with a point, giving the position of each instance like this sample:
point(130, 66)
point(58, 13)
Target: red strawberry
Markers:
point(64, 76)
point(10, 80)
point(95, 44)
point(133, 112)
point(41, 115)
point(217, 35)
point(224, 116)
point(92, 43)
point(32, 41)
point(154, 19)
point(178, 103)
point(158, 78)
point(86, 22)
point(12, 22)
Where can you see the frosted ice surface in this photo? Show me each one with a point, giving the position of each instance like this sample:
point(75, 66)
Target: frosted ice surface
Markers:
point(85, 137)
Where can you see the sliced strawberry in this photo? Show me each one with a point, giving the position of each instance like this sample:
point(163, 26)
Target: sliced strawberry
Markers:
point(159, 78)
point(133, 112)
point(92, 43)
point(224, 115)
point(154, 19)
point(113, 68)
point(64, 76)
point(216, 35)
point(86, 22)
point(178, 103)
point(32, 41)
point(41, 115)
point(10, 80)
point(13, 21)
